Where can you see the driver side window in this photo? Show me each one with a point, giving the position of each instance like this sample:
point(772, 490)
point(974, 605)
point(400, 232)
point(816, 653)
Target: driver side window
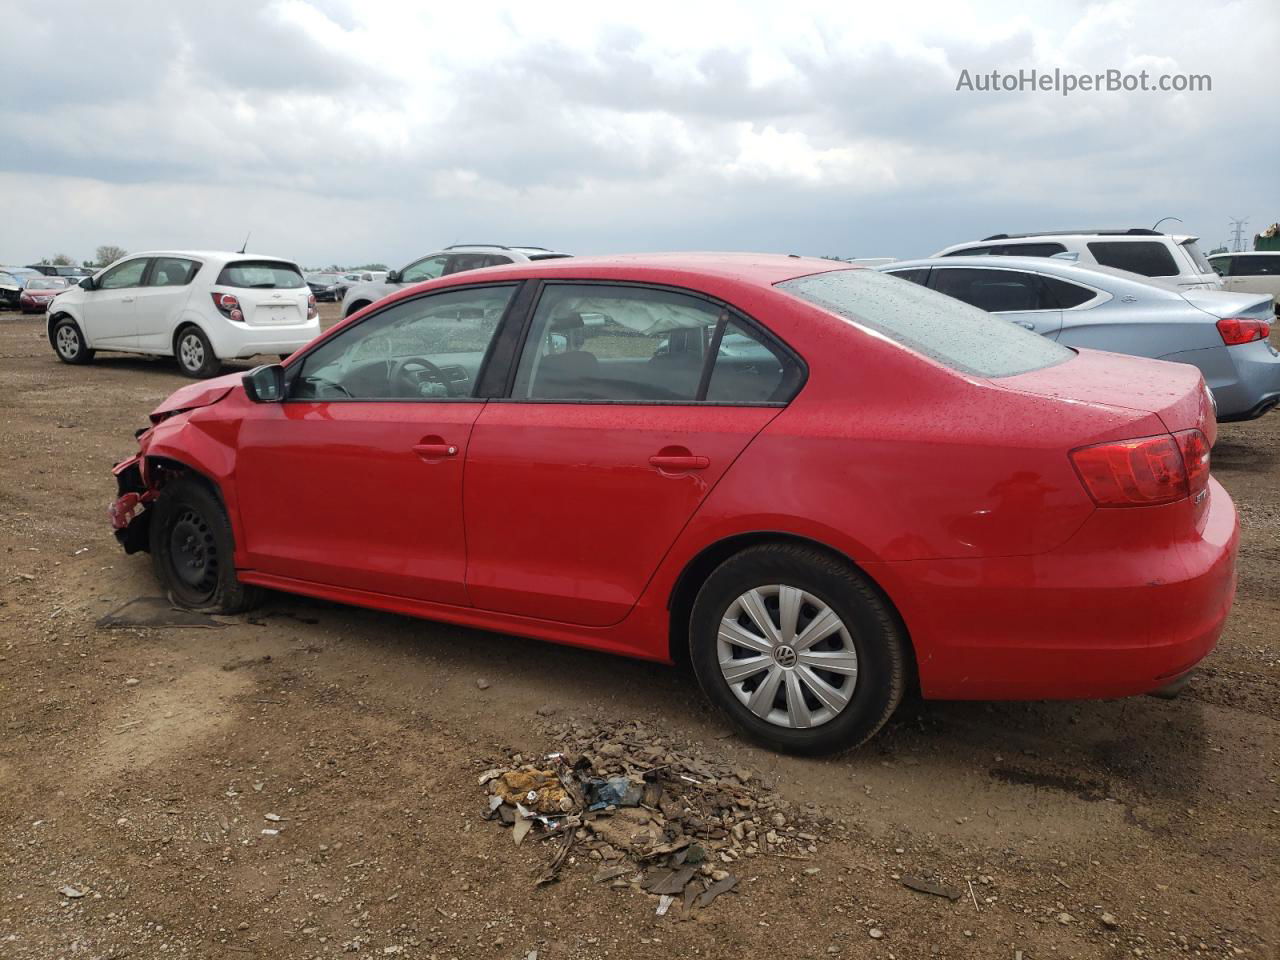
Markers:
point(428, 348)
point(127, 274)
point(427, 269)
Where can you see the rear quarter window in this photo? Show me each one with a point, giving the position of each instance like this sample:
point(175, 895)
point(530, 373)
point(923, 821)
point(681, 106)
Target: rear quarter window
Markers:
point(941, 328)
point(261, 274)
point(1148, 258)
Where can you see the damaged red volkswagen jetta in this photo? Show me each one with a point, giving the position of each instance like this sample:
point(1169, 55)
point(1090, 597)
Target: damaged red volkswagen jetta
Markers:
point(819, 483)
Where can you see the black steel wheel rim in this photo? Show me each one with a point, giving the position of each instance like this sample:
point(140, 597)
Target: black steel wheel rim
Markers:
point(193, 555)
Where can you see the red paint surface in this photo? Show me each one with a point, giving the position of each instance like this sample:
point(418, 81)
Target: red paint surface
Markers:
point(956, 495)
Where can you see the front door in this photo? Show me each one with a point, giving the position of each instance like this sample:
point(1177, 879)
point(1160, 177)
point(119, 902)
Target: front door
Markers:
point(355, 480)
point(110, 309)
point(580, 481)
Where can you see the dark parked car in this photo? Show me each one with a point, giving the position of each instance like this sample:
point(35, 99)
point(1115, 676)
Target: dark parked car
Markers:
point(327, 286)
point(11, 283)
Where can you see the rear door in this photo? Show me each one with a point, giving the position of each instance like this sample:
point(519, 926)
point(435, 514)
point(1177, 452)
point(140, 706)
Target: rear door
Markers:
point(111, 308)
point(1018, 296)
point(160, 300)
point(627, 405)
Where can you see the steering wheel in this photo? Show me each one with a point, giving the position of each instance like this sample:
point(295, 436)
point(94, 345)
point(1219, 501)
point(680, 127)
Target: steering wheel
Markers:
point(415, 379)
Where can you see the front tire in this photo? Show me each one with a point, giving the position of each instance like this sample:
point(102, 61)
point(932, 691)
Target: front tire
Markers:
point(69, 343)
point(798, 649)
point(192, 550)
point(194, 354)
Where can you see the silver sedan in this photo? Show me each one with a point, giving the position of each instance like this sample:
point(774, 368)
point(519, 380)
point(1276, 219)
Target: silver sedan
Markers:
point(1226, 335)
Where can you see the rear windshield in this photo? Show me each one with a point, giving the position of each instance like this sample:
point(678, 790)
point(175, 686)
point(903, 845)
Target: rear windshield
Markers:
point(1151, 258)
point(940, 327)
point(261, 274)
point(1193, 250)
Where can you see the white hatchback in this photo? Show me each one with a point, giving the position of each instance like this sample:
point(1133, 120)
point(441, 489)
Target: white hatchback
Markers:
point(199, 307)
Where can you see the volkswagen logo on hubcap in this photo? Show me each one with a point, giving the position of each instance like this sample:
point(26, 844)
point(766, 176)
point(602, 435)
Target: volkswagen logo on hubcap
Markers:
point(785, 656)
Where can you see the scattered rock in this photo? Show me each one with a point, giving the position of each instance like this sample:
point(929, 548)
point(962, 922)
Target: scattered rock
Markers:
point(1109, 921)
point(875, 933)
point(70, 892)
point(482, 684)
point(1065, 918)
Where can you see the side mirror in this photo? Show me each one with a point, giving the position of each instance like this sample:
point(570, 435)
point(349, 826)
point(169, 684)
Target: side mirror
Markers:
point(393, 276)
point(86, 284)
point(265, 384)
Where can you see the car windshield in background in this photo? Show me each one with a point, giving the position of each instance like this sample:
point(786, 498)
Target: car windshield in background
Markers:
point(47, 283)
point(323, 278)
point(261, 274)
point(940, 327)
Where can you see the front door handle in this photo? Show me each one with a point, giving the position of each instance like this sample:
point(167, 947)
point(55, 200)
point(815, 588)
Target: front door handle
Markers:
point(672, 462)
point(1026, 324)
point(126, 299)
point(435, 451)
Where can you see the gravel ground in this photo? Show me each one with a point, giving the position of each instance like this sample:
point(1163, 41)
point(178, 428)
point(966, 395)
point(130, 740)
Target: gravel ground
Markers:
point(138, 766)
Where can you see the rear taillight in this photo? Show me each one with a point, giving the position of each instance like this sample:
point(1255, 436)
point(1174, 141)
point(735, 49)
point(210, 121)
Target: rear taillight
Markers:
point(1234, 330)
point(1145, 472)
point(312, 310)
point(228, 306)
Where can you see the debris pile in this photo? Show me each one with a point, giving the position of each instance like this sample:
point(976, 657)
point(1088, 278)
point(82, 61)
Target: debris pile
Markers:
point(658, 820)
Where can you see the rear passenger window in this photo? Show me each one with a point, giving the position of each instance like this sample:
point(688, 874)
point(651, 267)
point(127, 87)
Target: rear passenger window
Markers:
point(1254, 266)
point(996, 291)
point(749, 370)
point(1146, 257)
point(172, 272)
point(591, 342)
point(594, 342)
point(1065, 295)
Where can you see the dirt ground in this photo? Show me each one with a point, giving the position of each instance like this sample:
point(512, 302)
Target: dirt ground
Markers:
point(137, 766)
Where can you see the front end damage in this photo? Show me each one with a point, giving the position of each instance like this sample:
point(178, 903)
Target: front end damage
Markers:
point(130, 517)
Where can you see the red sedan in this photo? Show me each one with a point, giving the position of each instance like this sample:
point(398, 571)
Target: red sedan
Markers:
point(821, 484)
point(38, 293)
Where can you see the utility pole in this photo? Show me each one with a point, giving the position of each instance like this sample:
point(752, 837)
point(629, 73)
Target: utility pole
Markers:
point(1237, 233)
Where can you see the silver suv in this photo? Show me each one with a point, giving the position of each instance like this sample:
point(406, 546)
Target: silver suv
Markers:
point(1169, 259)
point(452, 259)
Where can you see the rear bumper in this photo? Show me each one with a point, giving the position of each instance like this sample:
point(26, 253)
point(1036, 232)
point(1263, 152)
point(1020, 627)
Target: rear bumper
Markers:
point(1103, 616)
point(233, 340)
point(1245, 379)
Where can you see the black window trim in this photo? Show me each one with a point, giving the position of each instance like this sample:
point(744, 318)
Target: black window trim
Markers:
point(728, 313)
point(1088, 304)
point(517, 302)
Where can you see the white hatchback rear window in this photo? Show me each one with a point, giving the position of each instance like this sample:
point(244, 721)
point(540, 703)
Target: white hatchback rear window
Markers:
point(940, 327)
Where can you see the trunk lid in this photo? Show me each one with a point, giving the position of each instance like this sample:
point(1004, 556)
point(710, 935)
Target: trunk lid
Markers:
point(1173, 392)
point(1219, 303)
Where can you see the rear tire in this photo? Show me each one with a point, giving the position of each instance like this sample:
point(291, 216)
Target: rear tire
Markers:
point(194, 353)
point(192, 550)
point(355, 308)
point(69, 343)
point(780, 687)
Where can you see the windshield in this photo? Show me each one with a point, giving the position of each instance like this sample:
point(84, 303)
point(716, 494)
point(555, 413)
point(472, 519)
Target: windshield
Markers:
point(261, 274)
point(940, 327)
point(47, 283)
point(323, 277)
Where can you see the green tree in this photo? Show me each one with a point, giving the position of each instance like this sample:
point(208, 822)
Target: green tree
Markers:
point(109, 253)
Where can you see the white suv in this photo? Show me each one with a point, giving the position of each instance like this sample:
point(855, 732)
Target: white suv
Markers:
point(199, 307)
point(454, 259)
point(1173, 260)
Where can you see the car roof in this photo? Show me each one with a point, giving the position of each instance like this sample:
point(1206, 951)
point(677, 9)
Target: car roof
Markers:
point(1067, 269)
point(223, 256)
point(1229, 253)
point(763, 269)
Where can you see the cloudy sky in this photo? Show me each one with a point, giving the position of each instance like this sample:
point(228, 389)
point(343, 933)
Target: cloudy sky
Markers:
point(375, 130)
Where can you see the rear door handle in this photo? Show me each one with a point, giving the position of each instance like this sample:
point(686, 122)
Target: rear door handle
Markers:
point(679, 462)
point(1027, 324)
point(126, 299)
point(435, 451)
